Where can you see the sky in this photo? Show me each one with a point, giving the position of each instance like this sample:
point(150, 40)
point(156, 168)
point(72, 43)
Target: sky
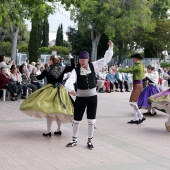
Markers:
point(60, 16)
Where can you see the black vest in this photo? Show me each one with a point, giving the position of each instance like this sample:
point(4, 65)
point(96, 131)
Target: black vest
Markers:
point(88, 81)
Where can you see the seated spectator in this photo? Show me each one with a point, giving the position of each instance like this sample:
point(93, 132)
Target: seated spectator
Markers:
point(126, 81)
point(101, 81)
point(100, 84)
point(4, 83)
point(44, 80)
point(3, 63)
point(16, 82)
point(33, 64)
point(34, 79)
point(110, 77)
point(166, 76)
point(26, 81)
point(61, 63)
point(38, 69)
point(120, 79)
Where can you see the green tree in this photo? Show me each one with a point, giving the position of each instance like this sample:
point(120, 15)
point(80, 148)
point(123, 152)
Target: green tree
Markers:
point(79, 40)
point(59, 36)
point(159, 39)
point(15, 11)
point(33, 43)
point(45, 36)
point(107, 17)
point(23, 35)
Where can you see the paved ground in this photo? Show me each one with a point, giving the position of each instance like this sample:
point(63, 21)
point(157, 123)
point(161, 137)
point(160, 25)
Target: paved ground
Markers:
point(118, 145)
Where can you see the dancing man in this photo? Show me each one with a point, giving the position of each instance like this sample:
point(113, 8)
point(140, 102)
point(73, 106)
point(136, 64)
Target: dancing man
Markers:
point(137, 72)
point(85, 77)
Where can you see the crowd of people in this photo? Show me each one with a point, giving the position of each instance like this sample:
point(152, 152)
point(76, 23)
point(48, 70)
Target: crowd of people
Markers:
point(22, 80)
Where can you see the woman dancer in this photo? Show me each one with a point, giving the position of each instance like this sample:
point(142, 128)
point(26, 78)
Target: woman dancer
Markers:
point(148, 91)
point(52, 100)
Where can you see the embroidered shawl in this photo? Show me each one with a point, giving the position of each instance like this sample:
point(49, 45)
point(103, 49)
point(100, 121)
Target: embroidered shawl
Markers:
point(55, 70)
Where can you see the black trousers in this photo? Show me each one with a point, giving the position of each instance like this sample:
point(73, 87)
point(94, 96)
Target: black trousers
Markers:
point(9, 88)
point(80, 105)
point(111, 85)
point(126, 85)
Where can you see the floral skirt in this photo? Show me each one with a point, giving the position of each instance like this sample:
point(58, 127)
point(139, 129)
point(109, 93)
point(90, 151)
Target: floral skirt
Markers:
point(161, 101)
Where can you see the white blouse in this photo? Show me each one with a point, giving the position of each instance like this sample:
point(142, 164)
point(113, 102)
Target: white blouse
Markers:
point(17, 78)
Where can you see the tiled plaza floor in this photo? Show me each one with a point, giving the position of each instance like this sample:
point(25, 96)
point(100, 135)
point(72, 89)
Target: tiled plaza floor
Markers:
point(118, 145)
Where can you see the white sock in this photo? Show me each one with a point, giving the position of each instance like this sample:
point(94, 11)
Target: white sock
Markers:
point(153, 110)
point(135, 114)
point(76, 126)
point(58, 124)
point(138, 111)
point(49, 122)
point(91, 124)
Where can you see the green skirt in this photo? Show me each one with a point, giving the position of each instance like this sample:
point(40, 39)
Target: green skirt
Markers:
point(46, 101)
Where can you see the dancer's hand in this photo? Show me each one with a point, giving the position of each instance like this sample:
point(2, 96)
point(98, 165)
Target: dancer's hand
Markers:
point(110, 43)
point(70, 56)
point(73, 93)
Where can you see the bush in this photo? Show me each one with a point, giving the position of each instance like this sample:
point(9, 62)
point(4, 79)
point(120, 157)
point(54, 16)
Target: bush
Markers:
point(164, 65)
point(23, 48)
point(5, 48)
point(48, 50)
point(44, 50)
point(60, 50)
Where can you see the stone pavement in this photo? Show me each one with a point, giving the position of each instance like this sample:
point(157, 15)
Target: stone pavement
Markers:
point(118, 145)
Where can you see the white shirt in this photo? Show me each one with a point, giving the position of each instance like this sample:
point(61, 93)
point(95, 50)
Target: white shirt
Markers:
point(98, 65)
point(38, 72)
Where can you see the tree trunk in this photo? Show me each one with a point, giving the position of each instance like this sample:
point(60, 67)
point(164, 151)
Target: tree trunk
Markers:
point(14, 32)
point(95, 42)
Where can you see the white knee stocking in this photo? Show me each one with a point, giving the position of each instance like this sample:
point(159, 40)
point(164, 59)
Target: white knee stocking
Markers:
point(49, 122)
point(135, 114)
point(58, 124)
point(76, 125)
point(138, 111)
point(91, 124)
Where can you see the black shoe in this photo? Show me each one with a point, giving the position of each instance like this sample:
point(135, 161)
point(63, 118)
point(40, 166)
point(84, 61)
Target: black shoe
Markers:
point(13, 98)
point(127, 91)
point(90, 145)
point(149, 114)
point(134, 122)
point(47, 134)
point(108, 91)
point(101, 91)
point(141, 120)
point(72, 143)
point(57, 133)
point(153, 114)
point(121, 91)
point(23, 97)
